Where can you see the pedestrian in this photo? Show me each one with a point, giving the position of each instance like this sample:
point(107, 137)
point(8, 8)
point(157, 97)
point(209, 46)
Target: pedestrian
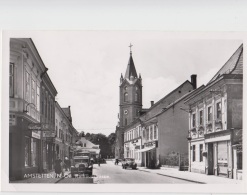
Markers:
point(99, 162)
point(58, 167)
point(67, 163)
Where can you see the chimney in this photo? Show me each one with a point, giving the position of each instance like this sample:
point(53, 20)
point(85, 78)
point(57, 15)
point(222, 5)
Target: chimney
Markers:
point(193, 81)
point(152, 103)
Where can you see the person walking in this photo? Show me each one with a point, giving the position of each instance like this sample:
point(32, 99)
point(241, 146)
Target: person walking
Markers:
point(67, 163)
point(58, 167)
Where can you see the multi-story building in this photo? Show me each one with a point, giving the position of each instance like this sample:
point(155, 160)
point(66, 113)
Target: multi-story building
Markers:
point(65, 132)
point(149, 134)
point(215, 122)
point(27, 78)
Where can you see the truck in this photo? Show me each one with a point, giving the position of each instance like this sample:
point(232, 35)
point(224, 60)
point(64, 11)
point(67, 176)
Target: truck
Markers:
point(81, 164)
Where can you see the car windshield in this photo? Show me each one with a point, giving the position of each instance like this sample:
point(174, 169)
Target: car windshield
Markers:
point(81, 160)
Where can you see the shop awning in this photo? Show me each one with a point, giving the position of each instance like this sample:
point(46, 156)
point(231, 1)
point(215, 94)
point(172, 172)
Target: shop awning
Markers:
point(146, 149)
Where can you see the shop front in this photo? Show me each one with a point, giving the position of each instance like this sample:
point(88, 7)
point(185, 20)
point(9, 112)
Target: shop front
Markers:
point(150, 155)
point(219, 153)
point(24, 150)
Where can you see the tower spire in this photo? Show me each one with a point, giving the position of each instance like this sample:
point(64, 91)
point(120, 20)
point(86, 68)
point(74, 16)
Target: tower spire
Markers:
point(131, 70)
point(130, 49)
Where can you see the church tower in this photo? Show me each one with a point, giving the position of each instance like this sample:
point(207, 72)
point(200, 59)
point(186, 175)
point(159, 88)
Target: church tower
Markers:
point(130, 94)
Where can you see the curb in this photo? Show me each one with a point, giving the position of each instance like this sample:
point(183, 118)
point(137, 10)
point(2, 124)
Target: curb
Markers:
point(175, 177)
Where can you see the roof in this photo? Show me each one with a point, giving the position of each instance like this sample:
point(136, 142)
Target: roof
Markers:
point(233, 66)
point(67, 112)
point(131, 71)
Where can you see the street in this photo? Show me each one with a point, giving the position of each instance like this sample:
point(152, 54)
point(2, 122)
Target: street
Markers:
point(111, 173)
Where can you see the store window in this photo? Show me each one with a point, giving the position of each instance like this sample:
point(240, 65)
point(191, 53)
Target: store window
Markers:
point(218, 110)
point(34, 152)
point(210, 113)
point(193, 153)
point(11, 80)
point(201, 150)
point(27, 152)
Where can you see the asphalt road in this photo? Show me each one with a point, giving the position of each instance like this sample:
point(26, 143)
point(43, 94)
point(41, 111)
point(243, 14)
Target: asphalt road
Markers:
point(111, 173)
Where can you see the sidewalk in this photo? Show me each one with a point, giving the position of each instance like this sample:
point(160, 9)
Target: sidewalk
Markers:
point(42, 178)
point(190, 176)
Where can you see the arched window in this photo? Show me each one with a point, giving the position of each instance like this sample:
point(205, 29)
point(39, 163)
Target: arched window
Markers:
point(125, 97)
point(136, 97)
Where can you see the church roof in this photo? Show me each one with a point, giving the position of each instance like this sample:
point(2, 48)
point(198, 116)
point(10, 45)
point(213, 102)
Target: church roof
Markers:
point(233, 66)
point(131, 70)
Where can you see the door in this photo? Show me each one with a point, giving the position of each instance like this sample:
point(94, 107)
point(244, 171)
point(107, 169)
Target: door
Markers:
point(210, 159)
point(222, 159)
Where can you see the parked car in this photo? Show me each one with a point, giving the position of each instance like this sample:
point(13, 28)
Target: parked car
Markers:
point(81, 165)
point(129, 163)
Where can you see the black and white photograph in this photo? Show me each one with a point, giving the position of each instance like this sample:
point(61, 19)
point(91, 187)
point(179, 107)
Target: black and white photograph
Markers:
point(124, 108)
point(123, 97)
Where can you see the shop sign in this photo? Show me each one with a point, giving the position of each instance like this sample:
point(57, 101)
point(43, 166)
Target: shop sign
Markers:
point(49, 134)
point(36, 134)
point(39, 126)
point(151, 144)
point(12, 120)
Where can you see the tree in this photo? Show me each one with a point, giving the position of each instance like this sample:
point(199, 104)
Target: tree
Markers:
point(82, 134)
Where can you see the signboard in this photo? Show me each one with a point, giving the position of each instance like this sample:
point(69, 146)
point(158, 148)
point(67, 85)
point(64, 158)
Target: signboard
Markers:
point(137, 147)
point(39, 126)
point(49, 134)
point(36, 134)
point(12, 120)
point(151, 144)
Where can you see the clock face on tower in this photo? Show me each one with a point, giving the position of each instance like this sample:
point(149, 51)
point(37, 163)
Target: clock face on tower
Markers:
point(125, 111)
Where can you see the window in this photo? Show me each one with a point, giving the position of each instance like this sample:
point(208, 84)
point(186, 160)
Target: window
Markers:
point(147, 134)
point(56, 131)
point(27, 152)
point(201, 150)
point(27, 87)
point(193, 153)
point(11, 80)
point(38, 98)
point(136, 97)
point(151, 132)
point(155, 132)
point(143, 132)
point(85, 145)
point(33, 92)
point(193, 120)
point(125, 97)
point(218, 110)
point(201, 117)
point(210, 113)
point(126, 121)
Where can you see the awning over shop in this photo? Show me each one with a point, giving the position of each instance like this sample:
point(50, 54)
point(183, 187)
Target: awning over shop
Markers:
point(146, 149)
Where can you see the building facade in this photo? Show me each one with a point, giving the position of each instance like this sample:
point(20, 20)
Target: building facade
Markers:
point(26, 141)
point(215, 122)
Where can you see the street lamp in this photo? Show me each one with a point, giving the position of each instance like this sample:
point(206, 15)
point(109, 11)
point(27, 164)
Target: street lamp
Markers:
point(26, 111)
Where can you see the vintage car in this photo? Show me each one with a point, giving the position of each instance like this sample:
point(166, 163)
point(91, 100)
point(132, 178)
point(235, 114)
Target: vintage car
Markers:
point(129, 163)
point(81, 166)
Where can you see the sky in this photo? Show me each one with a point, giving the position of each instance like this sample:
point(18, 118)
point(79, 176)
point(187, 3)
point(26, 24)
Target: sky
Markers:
point(85, 68)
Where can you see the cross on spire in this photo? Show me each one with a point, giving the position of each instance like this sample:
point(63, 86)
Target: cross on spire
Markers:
point(130, 47)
